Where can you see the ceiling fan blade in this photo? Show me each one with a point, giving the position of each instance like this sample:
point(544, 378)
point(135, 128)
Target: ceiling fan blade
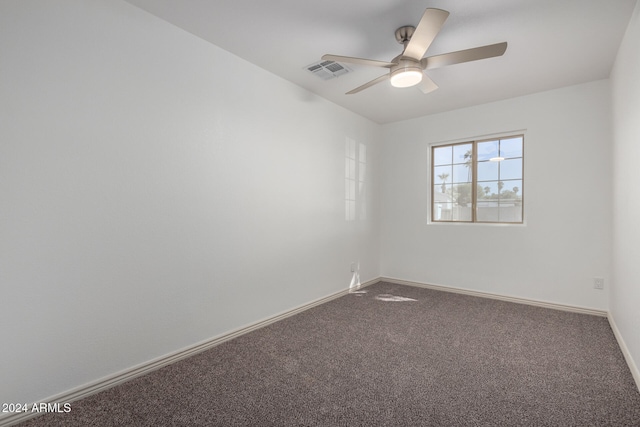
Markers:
point(425, 32)
point(427, 85)
point(467, 55)
point(359, 61)
point(369, 84)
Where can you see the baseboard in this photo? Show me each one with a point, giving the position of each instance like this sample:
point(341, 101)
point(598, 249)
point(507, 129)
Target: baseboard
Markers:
point(152, 365)
point(625, 351)
point(537, 303)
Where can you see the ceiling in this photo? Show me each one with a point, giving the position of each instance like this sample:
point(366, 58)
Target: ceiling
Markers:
point(551, 44)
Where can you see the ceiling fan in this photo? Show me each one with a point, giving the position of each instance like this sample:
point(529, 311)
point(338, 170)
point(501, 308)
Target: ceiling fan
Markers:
point(407, 69)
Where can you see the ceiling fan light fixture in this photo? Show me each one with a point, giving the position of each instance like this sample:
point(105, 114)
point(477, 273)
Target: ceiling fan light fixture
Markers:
point(406, 76)
point(407, 69)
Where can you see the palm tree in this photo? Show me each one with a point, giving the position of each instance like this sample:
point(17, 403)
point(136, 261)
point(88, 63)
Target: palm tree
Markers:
point(443, 177)
point(500, 185)
point(487, 190)
point(468, 159)
point(468, 156)
point(515, 196)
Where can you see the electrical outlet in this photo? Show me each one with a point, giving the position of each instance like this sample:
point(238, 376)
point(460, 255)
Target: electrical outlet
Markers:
point(598, 283)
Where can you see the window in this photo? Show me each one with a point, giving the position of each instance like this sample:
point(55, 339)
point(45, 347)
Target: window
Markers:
point(478, 181)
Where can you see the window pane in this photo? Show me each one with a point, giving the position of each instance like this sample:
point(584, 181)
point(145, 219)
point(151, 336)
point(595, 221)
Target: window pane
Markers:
point(461, 212)
point(488, 171)
point(442, 211)
point(510, 202)
point(455, 204)
point(442, 173)
point(442, 193)
point(489, 190)
point(510, 169)
point(488, 211)
point(462, 153)
point(462, 194)
point(512, 190)
point(442, 155)
point(462, 173)
point(511, 147)
point(487, 150)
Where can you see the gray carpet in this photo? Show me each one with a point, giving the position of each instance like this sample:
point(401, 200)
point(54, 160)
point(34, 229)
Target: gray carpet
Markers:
point(429, 358)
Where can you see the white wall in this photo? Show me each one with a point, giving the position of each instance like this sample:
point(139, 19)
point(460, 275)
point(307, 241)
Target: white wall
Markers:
point(156, 191)
point(566, 239)
point(625, 295)
point(149, 203)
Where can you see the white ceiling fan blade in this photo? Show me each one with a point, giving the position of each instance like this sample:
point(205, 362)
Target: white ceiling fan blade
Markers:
point(359, 61)
point(369, 84)
point(467, 55)
point(427, 85)
point(425, 32)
